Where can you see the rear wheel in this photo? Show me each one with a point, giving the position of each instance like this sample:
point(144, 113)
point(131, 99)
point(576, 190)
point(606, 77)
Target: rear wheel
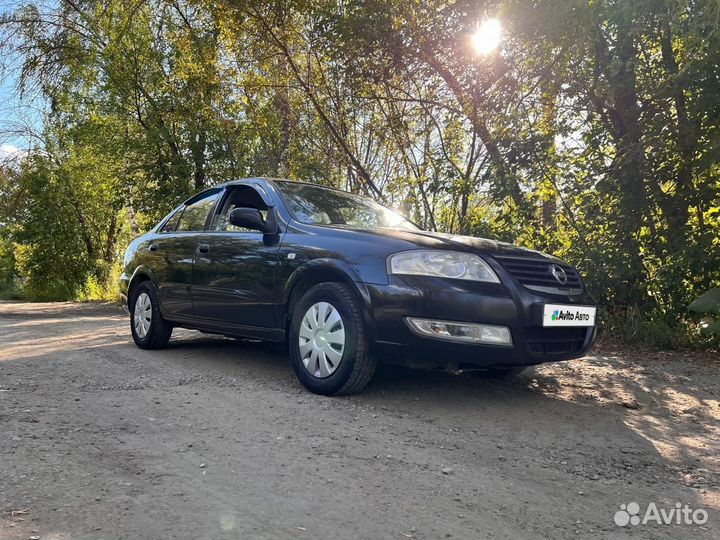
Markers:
point(149, 329)
point(328, 343)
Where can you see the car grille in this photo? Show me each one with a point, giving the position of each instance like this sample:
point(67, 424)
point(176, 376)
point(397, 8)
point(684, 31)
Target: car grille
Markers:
point(536, 274)
point(544, 341)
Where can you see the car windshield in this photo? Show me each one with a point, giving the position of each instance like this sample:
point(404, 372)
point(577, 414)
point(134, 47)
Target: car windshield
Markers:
point(316, 205)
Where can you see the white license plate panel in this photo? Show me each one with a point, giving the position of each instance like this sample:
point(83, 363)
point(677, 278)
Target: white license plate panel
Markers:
point(567, 315)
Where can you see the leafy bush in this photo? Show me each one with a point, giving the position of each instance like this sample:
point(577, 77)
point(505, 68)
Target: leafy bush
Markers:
point(107, 290)
point(9, 281)
point(651, 329)
point(708, 304)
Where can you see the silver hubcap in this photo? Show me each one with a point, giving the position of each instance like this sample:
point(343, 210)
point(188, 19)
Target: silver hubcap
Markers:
point(322, 339)
point(142, 317)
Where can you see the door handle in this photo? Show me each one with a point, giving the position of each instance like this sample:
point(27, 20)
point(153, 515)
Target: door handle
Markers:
point(153, 247)
point(203, 248)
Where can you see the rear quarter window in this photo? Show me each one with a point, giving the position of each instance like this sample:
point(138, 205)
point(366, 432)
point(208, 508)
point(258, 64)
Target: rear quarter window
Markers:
point(171, 222)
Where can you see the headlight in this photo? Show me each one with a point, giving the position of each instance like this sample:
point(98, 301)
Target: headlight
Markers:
point(447, 264)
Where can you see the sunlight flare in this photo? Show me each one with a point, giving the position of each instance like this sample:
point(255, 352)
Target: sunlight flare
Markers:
point(487, 37)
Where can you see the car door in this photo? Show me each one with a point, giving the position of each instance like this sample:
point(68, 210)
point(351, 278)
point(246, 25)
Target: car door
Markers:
point(173, 252)
point(234, 271)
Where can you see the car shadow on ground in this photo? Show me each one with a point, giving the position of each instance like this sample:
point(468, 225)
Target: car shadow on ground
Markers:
point(668, 408)
point(670, 415)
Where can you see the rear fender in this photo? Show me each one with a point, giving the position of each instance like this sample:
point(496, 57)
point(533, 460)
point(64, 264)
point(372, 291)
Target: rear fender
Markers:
point(141, 273)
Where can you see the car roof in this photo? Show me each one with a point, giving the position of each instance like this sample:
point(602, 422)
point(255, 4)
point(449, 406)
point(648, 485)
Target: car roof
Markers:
point(240, 181)
point(263, 182)
point(272, 180)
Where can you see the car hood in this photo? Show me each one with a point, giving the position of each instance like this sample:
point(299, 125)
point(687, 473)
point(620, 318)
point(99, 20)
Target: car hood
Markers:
point(433, 240)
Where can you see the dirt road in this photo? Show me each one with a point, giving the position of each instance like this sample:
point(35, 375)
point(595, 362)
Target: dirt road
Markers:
point(214, 438)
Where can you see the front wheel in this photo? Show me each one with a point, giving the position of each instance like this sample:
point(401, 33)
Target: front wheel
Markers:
point(328, 342)
point(149, 329)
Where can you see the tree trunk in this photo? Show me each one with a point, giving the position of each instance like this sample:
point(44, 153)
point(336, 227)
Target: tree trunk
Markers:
point(548, 128)
point(676, 208)
point(282, 97)
point(621, 110)
point(198, 146)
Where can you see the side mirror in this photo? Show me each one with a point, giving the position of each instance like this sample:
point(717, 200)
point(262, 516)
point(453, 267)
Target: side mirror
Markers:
point(251, 218)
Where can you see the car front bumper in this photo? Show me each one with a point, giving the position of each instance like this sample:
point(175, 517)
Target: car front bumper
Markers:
point(511, 306)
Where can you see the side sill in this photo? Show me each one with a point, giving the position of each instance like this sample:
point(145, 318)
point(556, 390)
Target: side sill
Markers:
point(230, 329)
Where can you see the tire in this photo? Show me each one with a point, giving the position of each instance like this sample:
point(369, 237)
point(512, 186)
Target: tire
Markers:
point(328, 368)
point(157, 334)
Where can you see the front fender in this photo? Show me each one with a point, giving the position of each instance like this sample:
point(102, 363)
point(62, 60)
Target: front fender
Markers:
point(330, 267)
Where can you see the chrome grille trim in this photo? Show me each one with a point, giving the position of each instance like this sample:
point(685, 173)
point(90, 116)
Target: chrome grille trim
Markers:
point(535, 274)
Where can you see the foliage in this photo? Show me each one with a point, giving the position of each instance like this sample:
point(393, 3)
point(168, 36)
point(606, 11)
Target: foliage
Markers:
point(593, 133)
point(708, 303)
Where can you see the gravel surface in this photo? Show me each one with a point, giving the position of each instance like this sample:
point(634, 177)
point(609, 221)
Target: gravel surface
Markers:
point(214, 438)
